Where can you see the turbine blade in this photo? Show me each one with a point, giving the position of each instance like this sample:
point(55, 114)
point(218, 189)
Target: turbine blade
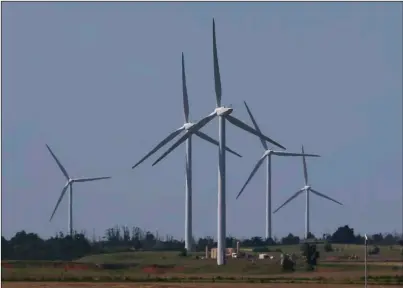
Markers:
point(324, 196)
point(215, 142)
point(217, 78)
point(305, 170)
point(176, 144)
point(185, 91)
point(162, 143)
point(289, 199)
point(283, 153)
point(257, 166)
point(90, 179)
point(60, 199)
point(256, 126)
point(203, 122)
point(58, 163)
point(249, 129)
point(188, 133)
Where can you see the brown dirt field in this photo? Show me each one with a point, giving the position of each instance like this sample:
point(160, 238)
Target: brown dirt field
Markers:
point(179, 285)
point(378, 263)
point(326, 272)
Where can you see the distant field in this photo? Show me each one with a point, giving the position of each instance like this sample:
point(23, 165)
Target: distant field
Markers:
point(391, 253)
point(340, 249)
point(171, 267)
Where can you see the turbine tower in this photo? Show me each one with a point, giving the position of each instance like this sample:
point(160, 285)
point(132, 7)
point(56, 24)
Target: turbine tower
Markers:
point(267, 155)
point(69, 184)
point(223, 113)
point(307, 189)
point(187, 126)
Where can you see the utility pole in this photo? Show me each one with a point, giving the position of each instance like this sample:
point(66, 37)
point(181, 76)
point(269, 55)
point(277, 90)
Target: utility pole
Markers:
point(365, 260)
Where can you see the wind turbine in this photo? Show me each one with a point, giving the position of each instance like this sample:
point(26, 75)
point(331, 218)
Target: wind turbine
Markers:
point(223, 113)
point(307, 188)
point(187, 126)
point(69, 183)
point(267, 155)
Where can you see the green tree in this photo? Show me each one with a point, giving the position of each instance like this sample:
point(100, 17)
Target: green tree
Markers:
point(328, 247)
point(311, 255)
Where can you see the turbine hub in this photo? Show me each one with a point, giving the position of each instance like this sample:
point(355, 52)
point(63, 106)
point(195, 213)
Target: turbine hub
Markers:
point(223, 111)
point(188, 125)
point(307, 187)
point(268, 152)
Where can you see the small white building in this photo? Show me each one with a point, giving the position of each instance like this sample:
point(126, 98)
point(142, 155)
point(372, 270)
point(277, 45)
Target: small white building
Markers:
point(263, 256)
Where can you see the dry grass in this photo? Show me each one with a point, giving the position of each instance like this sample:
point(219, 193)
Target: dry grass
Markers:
point(140, 266)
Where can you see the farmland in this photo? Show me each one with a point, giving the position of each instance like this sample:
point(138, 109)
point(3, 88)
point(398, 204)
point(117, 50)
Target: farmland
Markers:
point(170, 269)
point(136, 260)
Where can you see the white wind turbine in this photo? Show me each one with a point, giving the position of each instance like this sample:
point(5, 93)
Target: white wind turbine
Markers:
point(307, 188)
point(69, 183)
point(223, 113)
point(187, 126)
point(267, 155)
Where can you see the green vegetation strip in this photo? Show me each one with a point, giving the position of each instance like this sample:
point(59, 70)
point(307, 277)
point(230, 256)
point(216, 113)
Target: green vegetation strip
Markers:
point(378, 280)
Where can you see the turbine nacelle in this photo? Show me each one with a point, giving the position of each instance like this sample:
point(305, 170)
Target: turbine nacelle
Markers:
point(223, 111)
point(307, 187)
point(188, 125)
point(267, 153)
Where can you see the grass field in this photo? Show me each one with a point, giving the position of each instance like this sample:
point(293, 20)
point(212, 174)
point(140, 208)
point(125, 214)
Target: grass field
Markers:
point(386, 252)
point(169, 268)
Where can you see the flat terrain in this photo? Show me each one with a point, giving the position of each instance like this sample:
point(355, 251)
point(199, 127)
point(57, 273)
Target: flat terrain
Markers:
point(340, 253)
point(167, 267)
point(178, 285)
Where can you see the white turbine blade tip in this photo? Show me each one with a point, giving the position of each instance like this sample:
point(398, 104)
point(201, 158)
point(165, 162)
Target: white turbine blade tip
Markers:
point(59, 200)
point(90, 179)
point(167, 139)
point(173, 147)
point(289, 199)
point(215, 142)
point(256, 126)
point(257, 166)
point(251, 130)
point(325, 196)
point(285, 153)
point(58, 162)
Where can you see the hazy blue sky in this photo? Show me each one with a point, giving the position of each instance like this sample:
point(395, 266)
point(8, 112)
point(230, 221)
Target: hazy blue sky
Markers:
point(101, 84)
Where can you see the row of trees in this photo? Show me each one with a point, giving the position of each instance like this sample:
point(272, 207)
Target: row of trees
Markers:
point(29, 246)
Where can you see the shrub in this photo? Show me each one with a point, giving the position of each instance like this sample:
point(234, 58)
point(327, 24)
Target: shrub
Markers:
point(288, 265)
point(183, 253)
point(328, 247)
point(374, 251)
point(260, 249)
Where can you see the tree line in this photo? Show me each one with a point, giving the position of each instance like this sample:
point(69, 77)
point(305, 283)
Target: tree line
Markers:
point(29, 246)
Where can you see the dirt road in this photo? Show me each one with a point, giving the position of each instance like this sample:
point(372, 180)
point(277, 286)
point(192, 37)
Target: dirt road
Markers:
point(178, 285)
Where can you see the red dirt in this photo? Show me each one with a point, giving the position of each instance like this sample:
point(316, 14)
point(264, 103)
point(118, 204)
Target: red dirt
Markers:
point(155, 269)
point(174, 285)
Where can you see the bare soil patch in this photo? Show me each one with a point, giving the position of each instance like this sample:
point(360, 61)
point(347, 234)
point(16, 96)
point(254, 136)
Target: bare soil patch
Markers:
point(335, 274)
point(176, 285)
